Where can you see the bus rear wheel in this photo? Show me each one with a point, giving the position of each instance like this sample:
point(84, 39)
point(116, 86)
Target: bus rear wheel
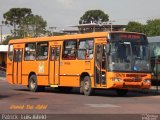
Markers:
point(87, 89)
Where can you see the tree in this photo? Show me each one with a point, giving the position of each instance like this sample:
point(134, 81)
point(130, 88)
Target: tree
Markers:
point(135, 27)
point(5, 42)
point(14, 16)
point(94, 16)
point(153, 27)
point(33, 25)
point(24, 22)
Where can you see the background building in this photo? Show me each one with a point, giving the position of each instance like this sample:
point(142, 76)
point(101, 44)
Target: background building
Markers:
point(3, 55)
point(94, 27)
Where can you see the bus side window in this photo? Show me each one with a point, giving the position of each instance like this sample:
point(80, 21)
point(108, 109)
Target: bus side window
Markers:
point(53, 57)
point(16, 55)
point(55, 54)
point(69, 50)
point(87, 45)
point(42, 51)
point(30, 51)
point(10, 52)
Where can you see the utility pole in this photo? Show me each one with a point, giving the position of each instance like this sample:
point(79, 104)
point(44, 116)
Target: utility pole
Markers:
point(1, 32)
point(52, 29)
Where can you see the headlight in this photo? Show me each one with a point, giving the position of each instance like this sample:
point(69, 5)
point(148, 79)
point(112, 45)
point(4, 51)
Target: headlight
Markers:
point(117, 80)
point(147, 81)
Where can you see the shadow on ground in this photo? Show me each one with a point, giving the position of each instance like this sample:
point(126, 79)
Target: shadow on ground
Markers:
point(101, 93)
point(3, 96)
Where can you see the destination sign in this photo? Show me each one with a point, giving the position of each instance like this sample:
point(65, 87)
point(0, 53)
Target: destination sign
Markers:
point(127, 37)
point(130, 36)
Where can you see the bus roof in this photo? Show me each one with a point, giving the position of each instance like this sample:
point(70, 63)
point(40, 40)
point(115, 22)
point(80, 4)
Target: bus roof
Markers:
point(154, 39)
point(58, 38)
point(66, 37)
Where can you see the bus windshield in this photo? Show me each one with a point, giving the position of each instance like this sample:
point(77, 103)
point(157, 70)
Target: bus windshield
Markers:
point(129, 53)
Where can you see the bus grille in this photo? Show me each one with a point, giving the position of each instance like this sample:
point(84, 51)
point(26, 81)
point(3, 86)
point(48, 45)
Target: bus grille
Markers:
point(133, 80)
point(132, 86)
point(136, 75)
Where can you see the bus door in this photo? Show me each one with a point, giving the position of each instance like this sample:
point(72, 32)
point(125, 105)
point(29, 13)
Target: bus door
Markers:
point(17, 66)
point(100, 65)
point(54, 66)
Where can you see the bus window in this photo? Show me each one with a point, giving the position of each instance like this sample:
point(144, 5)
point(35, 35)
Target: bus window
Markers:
point(30, 51)
point(85, 45)
point(17, 55)
point(104, 57)
point(69, 50)
point(81, 54)
point(55, 53)
point(10, 52)
point(42, 51)
point(156, 51)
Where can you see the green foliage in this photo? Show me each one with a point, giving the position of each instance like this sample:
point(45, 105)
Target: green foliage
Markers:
point(9, 38)
point(24, 22)
point(33, 25)
point(94, 16)
point(14, 15)
point(152, 28)
point(135, 27)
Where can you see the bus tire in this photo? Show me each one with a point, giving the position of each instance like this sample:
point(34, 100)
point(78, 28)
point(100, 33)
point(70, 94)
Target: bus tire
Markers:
point(122, 92)
point(81, 87)
point(33, 86)
point(87, 89)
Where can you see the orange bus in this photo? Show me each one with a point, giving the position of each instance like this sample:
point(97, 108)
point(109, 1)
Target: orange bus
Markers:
point(102, 60)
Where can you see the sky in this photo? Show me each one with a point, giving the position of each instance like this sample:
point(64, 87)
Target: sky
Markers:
point(62, 13)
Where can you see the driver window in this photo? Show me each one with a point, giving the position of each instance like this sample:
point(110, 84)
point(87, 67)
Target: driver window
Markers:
point(124, 52)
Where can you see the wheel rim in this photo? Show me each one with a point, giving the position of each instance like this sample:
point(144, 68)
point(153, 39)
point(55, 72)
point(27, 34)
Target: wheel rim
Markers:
point(86, 86)
point(33, 84)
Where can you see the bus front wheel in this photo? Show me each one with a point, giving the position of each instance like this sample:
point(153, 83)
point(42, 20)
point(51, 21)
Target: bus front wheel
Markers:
point(87, 90)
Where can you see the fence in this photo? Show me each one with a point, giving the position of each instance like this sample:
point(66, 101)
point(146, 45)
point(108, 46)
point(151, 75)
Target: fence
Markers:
point(2, 72)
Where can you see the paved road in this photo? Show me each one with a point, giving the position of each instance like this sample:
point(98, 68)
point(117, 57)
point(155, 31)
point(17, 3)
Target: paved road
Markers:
point(17, 99)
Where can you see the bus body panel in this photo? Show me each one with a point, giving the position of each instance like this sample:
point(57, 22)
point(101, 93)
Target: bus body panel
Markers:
point(43, 80)
point(71, 81)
